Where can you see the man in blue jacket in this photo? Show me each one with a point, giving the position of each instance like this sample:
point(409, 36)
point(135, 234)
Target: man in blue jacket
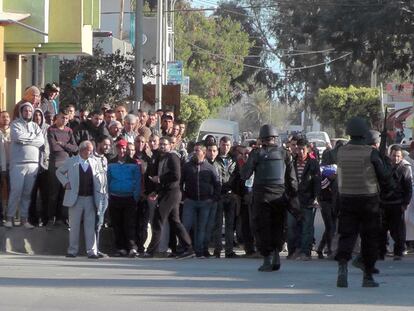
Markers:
point(201, 188)
point(124, 187)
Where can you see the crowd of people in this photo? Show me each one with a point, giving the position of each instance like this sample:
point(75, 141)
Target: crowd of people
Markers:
point(114, 168)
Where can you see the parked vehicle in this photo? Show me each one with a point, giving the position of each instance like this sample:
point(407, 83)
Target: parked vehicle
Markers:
point(219, 128)
point(318, 136)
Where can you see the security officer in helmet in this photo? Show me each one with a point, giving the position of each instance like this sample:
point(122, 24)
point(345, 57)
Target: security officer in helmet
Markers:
point(274, 184)
point(361, 173)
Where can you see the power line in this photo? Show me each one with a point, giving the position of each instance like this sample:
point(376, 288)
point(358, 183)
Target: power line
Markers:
point(268, 68)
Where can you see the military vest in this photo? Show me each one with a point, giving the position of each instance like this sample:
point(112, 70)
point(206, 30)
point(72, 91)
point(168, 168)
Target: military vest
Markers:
point(271, 167)
point(356, 174)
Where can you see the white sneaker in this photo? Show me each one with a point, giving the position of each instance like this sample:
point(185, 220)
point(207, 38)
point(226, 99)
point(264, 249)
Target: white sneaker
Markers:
point(8, 224)
point(28, 225)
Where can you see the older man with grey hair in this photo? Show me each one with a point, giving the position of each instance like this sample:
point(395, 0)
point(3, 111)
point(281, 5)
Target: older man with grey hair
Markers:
point(130, 123)
point(82, 178)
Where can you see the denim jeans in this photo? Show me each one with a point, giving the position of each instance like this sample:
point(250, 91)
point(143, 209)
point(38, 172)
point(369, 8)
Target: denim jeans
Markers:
point(210, 226)
point(300, 234)
point(196, 214)
point(226, 206)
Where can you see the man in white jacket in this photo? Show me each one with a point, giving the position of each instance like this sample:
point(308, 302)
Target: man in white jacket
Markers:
point(85, 192)
point(26, 140)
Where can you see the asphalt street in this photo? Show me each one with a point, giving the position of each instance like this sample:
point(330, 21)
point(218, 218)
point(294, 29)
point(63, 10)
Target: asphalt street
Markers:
point(58, 283)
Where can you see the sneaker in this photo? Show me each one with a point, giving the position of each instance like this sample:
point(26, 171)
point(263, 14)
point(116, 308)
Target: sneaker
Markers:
point(69, 255)
point(133, 253)
point(121, 253)
point(102, 255)
point(186, 254)
point(320, 255)
point(397, 258)
point(304, 257)
point(207, 254)
point(8, 224)
point(217, 254)
point(93, 256)
point(200, 256)
point(232, 255)
point(293, 255)
point(146, 255)
point(28, 225)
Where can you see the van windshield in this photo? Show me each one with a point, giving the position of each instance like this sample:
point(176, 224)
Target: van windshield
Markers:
point(202, 135)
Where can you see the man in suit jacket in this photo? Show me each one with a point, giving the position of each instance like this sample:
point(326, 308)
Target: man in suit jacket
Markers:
point(82, 179)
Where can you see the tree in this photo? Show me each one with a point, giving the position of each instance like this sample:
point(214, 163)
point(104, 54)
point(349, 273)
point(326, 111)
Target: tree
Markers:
point(345, 36)
point(193, 111)
point(91, 81)
point(335, 105)
point(213, 50)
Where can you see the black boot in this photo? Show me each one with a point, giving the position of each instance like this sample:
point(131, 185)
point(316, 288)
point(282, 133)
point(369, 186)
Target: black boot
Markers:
point(342, 280)
point(368, 280)
point(267, 265)
point(276, 261)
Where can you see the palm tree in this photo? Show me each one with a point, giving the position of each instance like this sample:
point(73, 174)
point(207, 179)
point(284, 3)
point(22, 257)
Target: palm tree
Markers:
point(258, 109)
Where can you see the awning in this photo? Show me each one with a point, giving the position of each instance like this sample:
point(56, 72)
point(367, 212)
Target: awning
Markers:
point(398, 117)
point(7, 18)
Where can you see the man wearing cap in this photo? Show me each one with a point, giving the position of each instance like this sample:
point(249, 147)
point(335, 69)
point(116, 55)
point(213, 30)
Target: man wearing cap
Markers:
point(48, 102)
point(124, 187)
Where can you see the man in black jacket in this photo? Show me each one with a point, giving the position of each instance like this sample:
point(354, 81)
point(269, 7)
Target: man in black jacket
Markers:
point(201, 186)
point(91, 129)
point(168, 196)
point(394, 206)
point(300, 233)
point(227, 204)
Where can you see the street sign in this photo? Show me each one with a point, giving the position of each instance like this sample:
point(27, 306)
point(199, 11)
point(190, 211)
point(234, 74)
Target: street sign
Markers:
point(185, 87)
point(175, 72)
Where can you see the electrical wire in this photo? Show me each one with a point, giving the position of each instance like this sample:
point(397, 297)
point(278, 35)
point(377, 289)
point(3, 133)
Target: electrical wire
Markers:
point(268, 68)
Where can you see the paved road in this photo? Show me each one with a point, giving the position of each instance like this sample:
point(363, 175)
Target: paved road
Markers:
point(57, 283)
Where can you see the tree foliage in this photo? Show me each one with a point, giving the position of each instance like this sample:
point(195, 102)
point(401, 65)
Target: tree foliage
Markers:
point(193, 111)
point(213, 51)
point(335, 105)
point(347, 36)
point(91, 81)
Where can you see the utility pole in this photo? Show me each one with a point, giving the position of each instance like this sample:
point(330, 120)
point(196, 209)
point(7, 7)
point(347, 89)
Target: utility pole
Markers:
point(159, 58)
point(165, 41)
point(121, 19)
point(139, 16)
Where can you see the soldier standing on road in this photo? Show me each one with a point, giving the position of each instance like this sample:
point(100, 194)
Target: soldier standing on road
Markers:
point(274, 184)
point(361, 171)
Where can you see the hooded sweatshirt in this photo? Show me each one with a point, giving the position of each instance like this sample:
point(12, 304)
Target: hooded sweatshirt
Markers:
point(26, 139)
point(44, 150)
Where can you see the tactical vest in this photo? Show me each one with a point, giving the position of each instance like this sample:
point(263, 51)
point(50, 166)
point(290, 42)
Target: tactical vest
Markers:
point(271, 167)
point(356, 174)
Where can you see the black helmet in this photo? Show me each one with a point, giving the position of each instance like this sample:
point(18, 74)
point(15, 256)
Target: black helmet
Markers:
point(268, 130)
point(357, 126)
point(373, 137)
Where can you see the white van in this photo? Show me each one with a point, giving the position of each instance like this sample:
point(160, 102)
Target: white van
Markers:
point(219, 128)
point(318, 136)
